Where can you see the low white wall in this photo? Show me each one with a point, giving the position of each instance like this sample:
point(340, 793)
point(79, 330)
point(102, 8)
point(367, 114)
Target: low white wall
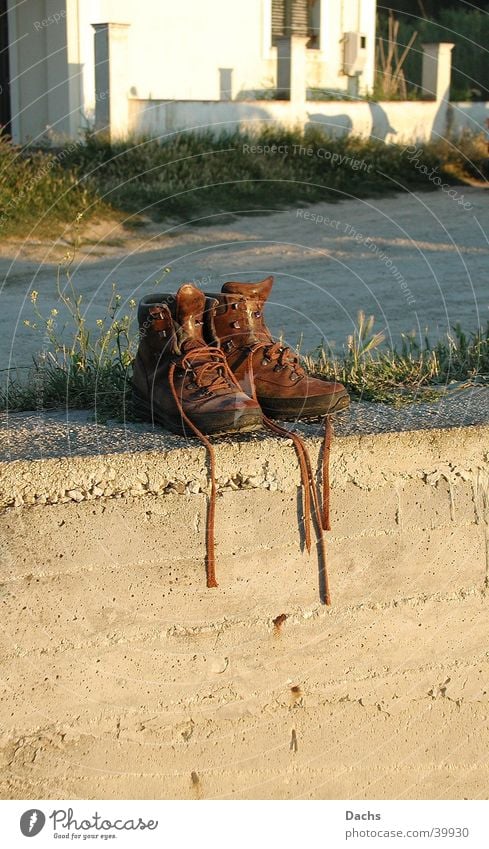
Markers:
point(388, 121)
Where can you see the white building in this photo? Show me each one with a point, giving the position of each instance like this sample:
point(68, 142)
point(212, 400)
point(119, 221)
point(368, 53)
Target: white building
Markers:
point(74, 62)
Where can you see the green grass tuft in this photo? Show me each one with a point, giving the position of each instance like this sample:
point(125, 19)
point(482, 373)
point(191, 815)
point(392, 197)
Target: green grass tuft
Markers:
point(372, 372)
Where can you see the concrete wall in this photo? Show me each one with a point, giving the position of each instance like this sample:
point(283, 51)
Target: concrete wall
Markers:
point(125, 677)
point(389, 121)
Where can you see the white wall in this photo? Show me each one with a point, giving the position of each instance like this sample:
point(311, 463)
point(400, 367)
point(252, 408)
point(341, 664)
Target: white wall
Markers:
point(326, 64)
point(390, 122)
point(176, 49)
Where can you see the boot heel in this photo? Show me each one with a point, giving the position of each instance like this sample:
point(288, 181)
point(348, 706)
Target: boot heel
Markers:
point(140, 408)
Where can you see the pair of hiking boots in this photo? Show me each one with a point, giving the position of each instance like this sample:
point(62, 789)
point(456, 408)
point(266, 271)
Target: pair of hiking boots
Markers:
point(208, 365)
point(210, 362)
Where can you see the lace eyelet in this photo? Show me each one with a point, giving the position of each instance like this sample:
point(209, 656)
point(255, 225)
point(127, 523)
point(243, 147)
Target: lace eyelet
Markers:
point(265, 362)
point(257, 314)
point(235, 324)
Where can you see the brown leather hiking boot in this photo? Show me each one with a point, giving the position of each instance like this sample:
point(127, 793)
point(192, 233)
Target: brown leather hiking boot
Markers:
point(179, 380)
point(283, 388)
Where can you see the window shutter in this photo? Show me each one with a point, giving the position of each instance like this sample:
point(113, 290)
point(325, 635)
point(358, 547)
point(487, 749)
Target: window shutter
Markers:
point(278, 15)
point(301, 18)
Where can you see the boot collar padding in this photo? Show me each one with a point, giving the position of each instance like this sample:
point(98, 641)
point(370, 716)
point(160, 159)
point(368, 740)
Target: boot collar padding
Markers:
point(260, 291)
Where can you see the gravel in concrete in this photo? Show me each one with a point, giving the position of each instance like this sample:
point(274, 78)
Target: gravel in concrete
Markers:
point(39, 435)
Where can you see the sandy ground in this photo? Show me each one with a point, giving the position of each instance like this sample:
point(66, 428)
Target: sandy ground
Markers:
point(424, 269)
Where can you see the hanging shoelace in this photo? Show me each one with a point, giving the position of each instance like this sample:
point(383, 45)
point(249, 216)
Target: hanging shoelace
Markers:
point(202, 363)
point(328, 435)
point(275, 351)
point(284, 357)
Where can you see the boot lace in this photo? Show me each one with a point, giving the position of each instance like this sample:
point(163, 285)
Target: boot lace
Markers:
point(309, 488)
point(283, 357)
point(207, 367)
point(273, 351)
point(211, 373)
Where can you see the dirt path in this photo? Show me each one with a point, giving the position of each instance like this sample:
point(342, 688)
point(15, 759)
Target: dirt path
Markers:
point(417, 262)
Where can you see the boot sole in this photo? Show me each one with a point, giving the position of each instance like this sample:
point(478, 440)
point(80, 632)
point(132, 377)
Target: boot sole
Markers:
point(212, 425)
point(303, 408)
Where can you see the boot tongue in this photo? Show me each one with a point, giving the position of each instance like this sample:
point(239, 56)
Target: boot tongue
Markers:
point(189, 316)
point(259, 291)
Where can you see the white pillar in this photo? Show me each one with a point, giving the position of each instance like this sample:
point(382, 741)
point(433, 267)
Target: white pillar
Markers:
point(111, 78)
point(437, 70)
point(75, 68)
point(291, 68)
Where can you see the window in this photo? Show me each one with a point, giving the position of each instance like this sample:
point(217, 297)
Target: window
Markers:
point(296, 17)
